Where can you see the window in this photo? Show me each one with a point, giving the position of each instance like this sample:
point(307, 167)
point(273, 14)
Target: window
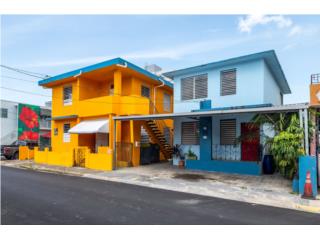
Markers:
point(228, 132)
point(190, 133)
point(4, 113)
point(228, 82)
point(166, 102)
point(195, 87)
point(67, 95)
point(66, 134)
point(111, 92)
point(145, 91)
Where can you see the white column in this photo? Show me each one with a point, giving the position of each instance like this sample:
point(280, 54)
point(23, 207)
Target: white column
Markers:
point(306, 132)
point(301, 124)
point(114, 145)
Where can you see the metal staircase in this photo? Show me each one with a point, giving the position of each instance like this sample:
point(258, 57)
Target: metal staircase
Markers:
point(153, 128)
point(160, 133)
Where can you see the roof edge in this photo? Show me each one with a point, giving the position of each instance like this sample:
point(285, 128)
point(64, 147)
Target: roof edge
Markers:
point(103, 64)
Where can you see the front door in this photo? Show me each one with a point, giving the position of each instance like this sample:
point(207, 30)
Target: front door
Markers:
point(250, 142)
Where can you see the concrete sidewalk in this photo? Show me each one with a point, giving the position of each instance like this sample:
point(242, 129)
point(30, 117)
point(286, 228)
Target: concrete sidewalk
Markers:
point(271, 190)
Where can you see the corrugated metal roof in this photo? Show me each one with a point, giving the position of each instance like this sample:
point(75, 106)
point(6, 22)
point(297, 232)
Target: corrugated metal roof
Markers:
point(282, 108)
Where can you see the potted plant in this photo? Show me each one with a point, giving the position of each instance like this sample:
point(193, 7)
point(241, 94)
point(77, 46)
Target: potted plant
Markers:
point(190, 155)
point(177, 154)
point(268, 164)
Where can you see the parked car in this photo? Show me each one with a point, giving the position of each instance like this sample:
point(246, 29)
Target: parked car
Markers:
point(12, 151)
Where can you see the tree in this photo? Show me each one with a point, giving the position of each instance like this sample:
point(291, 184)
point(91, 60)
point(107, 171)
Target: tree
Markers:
point(286, 148)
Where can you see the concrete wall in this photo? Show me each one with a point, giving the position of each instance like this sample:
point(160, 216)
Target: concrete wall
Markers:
point(9, 126)
point(271, 89)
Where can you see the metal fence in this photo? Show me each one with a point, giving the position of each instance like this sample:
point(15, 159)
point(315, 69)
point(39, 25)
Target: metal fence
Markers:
point(315, 78)
point(226, 152)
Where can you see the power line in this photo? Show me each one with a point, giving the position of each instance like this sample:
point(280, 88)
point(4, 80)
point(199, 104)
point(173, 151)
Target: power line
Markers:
point(93, 88)
point(19, 79)
point(176, 101)
point(87, 100)
point(32, 74)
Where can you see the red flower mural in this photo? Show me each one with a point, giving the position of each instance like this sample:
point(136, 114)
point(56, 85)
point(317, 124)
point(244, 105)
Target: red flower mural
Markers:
point(29, 135)
point(29, 117)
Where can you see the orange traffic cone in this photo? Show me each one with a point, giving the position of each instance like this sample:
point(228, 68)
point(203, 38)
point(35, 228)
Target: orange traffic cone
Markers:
point(307, 193)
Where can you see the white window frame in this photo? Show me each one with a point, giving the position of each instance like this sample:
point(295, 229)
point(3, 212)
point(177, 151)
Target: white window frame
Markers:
point(68, 101)
point(166, 104)
point(66, 135)
point(4, 110)
point(234, 120)
point(235, 80)
point(196, 134)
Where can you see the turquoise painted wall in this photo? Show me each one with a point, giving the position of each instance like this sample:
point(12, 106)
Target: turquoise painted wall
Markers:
point(271, 89)
point(255, 85)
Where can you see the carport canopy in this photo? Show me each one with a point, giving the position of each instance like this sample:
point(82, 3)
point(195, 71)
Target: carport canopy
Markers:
point(91, 126)
point(300, 108)
point(214, 112)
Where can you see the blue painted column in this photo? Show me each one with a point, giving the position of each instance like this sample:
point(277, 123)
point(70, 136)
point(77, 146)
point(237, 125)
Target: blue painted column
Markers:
point(205, 128)
point(307, 164)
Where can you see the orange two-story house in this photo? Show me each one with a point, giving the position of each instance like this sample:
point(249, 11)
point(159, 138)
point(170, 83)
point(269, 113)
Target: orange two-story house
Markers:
point(84, 102)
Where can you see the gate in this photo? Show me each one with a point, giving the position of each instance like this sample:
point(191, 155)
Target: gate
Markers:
point(124, 154)
point(80, 156)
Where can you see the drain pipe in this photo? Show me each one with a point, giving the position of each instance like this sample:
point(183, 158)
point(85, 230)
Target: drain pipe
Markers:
point(78, 75)
point(125, 65)
point(154, 95)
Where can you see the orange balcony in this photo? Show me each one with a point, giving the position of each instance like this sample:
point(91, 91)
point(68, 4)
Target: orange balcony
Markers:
point(118, 105)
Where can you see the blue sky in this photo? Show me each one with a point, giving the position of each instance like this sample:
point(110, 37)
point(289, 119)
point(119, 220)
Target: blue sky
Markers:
point(58, 43)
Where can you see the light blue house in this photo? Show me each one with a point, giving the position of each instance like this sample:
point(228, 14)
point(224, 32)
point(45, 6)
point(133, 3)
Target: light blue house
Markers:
point(231, 91)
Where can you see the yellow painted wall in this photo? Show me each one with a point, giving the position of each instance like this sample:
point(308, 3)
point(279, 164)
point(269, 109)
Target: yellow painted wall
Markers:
point(58, 107)
point(136, 137)
point(126, 86)
point(25, 153)
point(53, 158)
point(57, 140)
point(99, 161)
point(92, 89)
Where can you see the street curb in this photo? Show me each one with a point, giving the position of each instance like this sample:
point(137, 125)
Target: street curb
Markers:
point(311, 209)
point(44, 169)
point(293, 206)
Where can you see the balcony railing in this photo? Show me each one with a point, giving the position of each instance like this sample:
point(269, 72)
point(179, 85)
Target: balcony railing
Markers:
point(45, 124)
point(315, 78)
point(119, 105)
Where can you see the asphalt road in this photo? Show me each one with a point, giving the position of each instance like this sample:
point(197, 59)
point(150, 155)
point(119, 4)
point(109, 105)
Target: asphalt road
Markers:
point(29, 197)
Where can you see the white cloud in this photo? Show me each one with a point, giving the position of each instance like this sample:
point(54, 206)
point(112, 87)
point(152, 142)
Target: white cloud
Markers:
point(173, 53)
point(246, 24)
point(289, 46)
point(295, 30)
